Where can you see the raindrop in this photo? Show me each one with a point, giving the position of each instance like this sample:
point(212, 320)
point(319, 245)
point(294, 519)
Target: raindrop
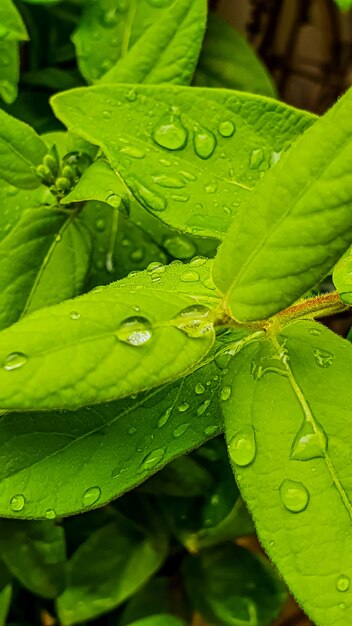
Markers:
point(193, 321)
point(170, 182)
point(137, 255)
point(109, 18)
point(122, 5)
point(100, 224)
point(226, 128)
point(152, 459)
point(170, 133)
point(225, 393)
point(132, 430)
point(315, 332)
point(323, 358)
point(17, 503)
point(294, 496)
point(343, 583)
point(50, 514)
point(180, 430)
point(180, 197)
point(180, 246)
point(242, 447)
point(131, 95)
point(209, 283)
point(209, 431)
point(74, 315)
point(188, 175)
point(211, 188)
point(135, 331)
point(189, 276)
point(114, 200)
point(149, 199)
point(309, 443)
point(183, 407)
point(222, 360)
point(14, 361)
point(133, 151)
point(199, 389)
point(91, 496)
point(198, 261)
point(164, 417)
point(256, 158)
point(202, 408)
point(204, 143)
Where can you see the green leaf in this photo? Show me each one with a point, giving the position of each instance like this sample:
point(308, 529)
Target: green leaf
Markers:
point(35, 553)
point(189, 156)
point(231, 586)
point(157, 597)
point(342, 277)
point(227, 60)
point(140, 41)
point(98, 182)
point(15, 201)
point(344, 5)
point(5, 593)
point(289, 438)
point(108, 568)
point(21, 150)
point(98, 453)
point(59, 247)
point(11, 23)
point(161, 619)
point(9, 72)
point(295, 225)
point(117, 341)
point(168, 50)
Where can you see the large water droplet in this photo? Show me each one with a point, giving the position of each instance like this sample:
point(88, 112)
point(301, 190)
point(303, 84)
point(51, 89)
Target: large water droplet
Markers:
point(204, 143)
point(189, 276)
point(309, 443)
point(193, 320)
point(343, 583)
point(180, 430)
point(17, 503)
point(199, 389)
point(183, 407)
point(294, 496)
point(242, 447)
point(323, 358)
point(225, 393)
point(50, 514)
point(180, 246)
point(202, 408)
point(163, 419)
point(149, 199)
point(256, 158)
point(14, 361)
point(226, 128)
point(170, 133)
point(170, 182)
point(91, 496)
point(135, 331)
point(152, 459)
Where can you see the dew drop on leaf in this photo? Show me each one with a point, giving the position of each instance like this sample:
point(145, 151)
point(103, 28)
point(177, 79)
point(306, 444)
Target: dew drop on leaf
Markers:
point(294, 496)
point(74, 315)
point(178, 197)
point(152, 459)
point(183, 407)
point(109, 19)
point(222, 360)
point(202, 408)
point(131, 95)
point(14, 361)
point(149, 199)
point(309, 443)
point(50, 514)
point(225, 393)
point(189, 276)
point(133, 151)
point(17, 503)
point(132, 430)
point(194, 322)
point(135, 331)
point(180, 430)
point(122, 6)
point(204, 143)
point(100, 224)
point(212, 188)
point(209, 431)
point(198, 261)
point(256, 158)
point(170, 182)
point(323, 358)
point(199, 389)
point(180, 246)
point(163, 419)
point(343, 583)
point(91, 496)
point(226, 128)
point(170, 133)
point(242, 447)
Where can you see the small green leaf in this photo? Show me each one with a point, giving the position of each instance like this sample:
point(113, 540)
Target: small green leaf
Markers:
point(168, 50)
point(108, 568)
point(5, 592)
point(35, 553)
point(342, 277)
point(12, 27)
point(289, 439)
point(98, 182)
point(295, 225)
point(9, 72)
point(227, 60)
point(21, 150)
point(155, 598)
point(189, 156)
point(59, 247)
point(229, 585)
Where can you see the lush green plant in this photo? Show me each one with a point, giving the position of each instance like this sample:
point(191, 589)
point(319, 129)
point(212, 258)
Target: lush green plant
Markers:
point(130, 340)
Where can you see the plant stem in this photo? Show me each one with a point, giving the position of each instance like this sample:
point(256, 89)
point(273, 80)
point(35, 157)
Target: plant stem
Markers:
point(318, 306)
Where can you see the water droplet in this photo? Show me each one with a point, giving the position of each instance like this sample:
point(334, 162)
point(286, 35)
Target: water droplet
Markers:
point(133, 151)
point(202, 408)
point(149, 199)
point(170, 133)
point(222, 360)
point(152, 459)
point(256, 158)
point(198, 261)
point(209, 283)
point(225, 393)
point(183, 407)
point(164, 417)
point(114, 200)
point(178, 197)
point(74, 315)
point(17, 503)
point(212, 188)
point(100, 224)
point(109, 18)
point(209, 431)
point(226, 128)
point(199, 389)
point(189, 276)
point(131, 95)
point(180, 430)
point(14, 361)
point(323, 358)
point(188, 175)
point(106, 114)
point(91, 496)
point(135, 331)
point(242, 447)
point(342, 606)
point(58, 237)
point(122, 5)
point(180, 246)
point(309, 443)
point(170, 182)
point(50, 514)
point(204, 143)
point(193, 320)
point(132, 430)
point(343, 583)
point(294, 496)
point(137, 255)
point(315, 332)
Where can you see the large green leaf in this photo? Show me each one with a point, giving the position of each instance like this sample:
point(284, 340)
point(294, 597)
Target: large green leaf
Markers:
point(287, 408)
point(35, 553)
point(140, 40)
point(295, 225)
point(189, 156)
point(227, 60)
point(58, 246)
point(108, 568)
point(21, 150)
point(11, 23)
point(65, 462)
point(230, 586)
point(5, 592)
point(107, 344)
point(12, 30)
